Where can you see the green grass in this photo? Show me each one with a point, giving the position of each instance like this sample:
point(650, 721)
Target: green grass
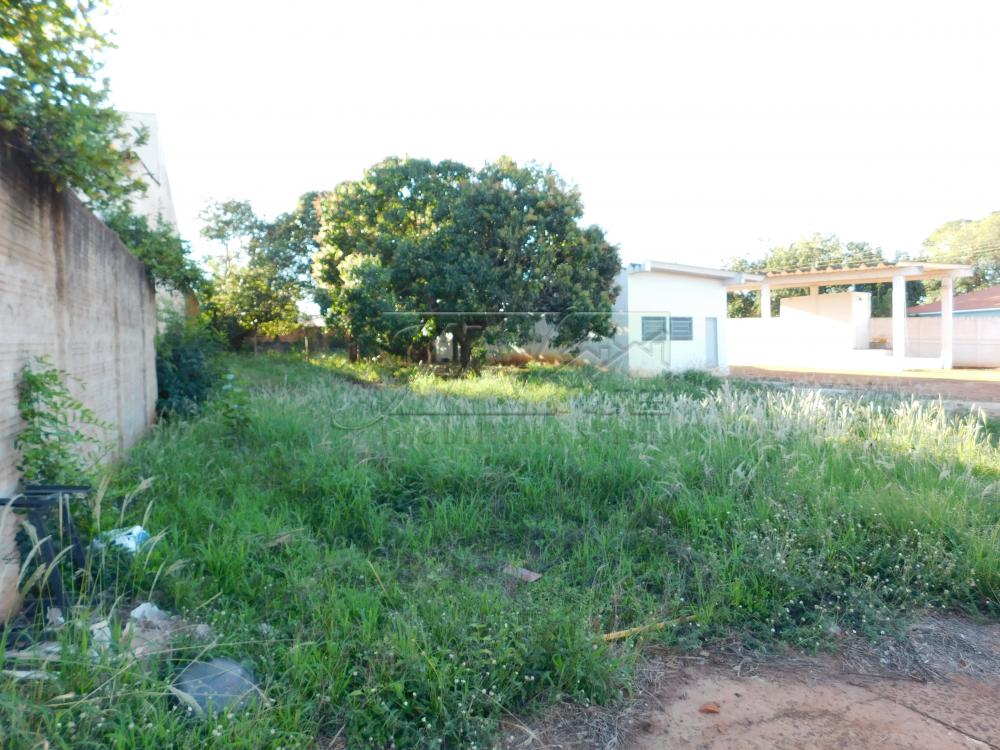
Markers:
point(365, 514)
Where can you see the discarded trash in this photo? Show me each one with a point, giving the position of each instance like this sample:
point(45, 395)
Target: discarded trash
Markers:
point(149, 612)
point(11, 598)
point(617, 635)
point(129, 540)
point(284, 537)
point(149, 630)
point(100, 634)
point(523, 573)
point(54, 617)
point(28, 674)
point(709, 708)
point(215, 685)
point(39, 652)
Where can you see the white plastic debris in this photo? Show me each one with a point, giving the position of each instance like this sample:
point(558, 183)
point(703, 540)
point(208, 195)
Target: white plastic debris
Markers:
point(100, 636)
point(149, 630)
point(129, 540)
point(522, 573)
point(150, 613)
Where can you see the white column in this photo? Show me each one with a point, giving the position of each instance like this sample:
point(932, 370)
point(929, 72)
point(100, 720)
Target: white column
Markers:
point(898, 316)
point(947, 323)
point(765, 300)
point(814, 289)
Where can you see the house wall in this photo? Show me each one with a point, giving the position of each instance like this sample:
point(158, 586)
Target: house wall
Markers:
point(976, 338)
point(656, 293)
point(839, 319)
point(70, 290)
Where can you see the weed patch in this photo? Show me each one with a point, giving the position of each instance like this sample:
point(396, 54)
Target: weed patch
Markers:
point(350, 542)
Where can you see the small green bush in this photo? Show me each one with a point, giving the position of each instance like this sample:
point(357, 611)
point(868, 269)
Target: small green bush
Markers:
point(58, 428)
point(232, 403)
point(186, 369)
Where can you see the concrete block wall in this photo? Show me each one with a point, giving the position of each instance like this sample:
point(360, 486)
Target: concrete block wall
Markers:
point(70, 289)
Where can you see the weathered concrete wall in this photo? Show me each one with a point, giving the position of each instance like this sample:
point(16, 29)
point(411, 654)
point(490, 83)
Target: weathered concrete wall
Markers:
point(70, 289)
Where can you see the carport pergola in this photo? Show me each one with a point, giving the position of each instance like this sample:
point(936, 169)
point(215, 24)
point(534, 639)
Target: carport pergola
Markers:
point(848, 275)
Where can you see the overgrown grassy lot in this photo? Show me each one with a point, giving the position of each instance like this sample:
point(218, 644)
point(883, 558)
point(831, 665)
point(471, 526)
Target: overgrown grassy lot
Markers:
point(348, 538)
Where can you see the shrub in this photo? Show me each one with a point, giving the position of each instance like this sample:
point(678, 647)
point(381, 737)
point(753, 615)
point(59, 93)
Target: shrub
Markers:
point(53, 441)
point(232, 403)
point(186, 369)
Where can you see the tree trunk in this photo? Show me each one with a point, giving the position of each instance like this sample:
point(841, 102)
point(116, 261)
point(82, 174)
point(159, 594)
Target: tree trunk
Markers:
point(255, 343)
point(461, 341)
point(465, 352)
point(454, 348)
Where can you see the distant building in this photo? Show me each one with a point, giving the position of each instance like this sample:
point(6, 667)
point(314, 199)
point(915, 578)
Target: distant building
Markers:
point(157, 200)
point(983, 302)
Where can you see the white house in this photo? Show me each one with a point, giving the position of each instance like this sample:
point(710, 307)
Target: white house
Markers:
point(669, 317)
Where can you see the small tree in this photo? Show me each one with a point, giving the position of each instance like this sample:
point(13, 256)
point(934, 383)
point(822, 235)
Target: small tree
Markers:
point(232, 225)
point(262, 270)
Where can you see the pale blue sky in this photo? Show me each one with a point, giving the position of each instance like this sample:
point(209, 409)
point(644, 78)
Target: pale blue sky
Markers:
point(695, 131)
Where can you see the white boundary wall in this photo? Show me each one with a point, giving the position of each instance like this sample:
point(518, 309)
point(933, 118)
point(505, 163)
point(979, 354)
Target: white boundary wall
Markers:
point(977, 338)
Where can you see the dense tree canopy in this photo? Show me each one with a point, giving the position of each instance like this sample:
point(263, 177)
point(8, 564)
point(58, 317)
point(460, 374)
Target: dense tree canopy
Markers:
point(53, 105)
point(974, 242)
point(415, 249)
point(817, 251)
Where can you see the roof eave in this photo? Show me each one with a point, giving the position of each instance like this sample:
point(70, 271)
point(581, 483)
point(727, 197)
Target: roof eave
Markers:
point(722, 274)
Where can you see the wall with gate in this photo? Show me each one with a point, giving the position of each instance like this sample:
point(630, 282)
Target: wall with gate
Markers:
point(70, 290)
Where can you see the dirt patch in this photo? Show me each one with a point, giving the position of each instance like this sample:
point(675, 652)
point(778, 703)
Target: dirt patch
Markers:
point(966, 390)
point(782, 708)
point(938, 688)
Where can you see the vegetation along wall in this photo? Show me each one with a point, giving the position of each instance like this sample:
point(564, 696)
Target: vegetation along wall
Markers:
point(70, 290)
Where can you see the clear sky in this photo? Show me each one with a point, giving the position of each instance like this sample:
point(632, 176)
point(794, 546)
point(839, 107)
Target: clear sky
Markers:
point(695, 130)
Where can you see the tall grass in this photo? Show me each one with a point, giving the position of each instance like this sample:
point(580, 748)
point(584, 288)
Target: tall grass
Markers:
point(365, 516)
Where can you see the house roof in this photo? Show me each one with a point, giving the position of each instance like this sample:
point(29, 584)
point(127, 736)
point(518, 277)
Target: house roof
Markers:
point(983, 299)
point(725, 275)
point(856, 274)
